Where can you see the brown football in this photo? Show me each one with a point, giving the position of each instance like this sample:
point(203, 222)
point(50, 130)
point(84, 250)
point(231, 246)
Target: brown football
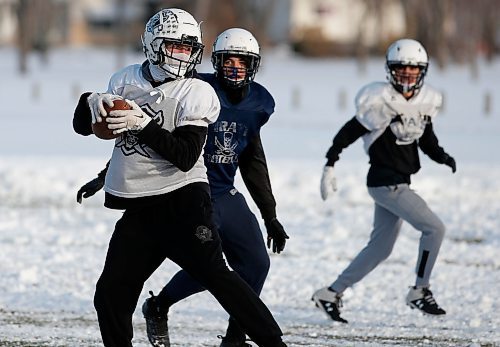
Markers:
point(100, 129)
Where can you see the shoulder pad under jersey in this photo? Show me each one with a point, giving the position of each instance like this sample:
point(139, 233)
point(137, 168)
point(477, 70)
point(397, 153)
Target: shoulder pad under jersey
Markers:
point(430, 100)
point(129, 75)
point(265, 98)
point(370, 105)
point(200, 105)
point(370, 93)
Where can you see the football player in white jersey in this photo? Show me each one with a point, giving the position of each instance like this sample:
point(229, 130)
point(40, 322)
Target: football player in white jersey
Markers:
point(157, 175)
point(395, 120)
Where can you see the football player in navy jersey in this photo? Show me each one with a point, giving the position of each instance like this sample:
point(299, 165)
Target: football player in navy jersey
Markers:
point(395, 120)
point(234, 142)
point(157, 175)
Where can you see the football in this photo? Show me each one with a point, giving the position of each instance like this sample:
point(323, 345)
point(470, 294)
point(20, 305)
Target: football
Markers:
point(100, 129)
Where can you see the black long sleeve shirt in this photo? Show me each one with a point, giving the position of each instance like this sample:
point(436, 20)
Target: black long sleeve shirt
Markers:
point(390, 163)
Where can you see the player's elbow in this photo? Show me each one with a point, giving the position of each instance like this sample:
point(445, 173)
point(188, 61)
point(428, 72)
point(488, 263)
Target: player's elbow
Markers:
point(186, 164)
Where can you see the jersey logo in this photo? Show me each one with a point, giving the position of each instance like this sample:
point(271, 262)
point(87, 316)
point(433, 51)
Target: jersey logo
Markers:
point(156, 115)
point(204, 234)
point(408, 128)
point(225, 143)
point(226, 148)
point(129, 143)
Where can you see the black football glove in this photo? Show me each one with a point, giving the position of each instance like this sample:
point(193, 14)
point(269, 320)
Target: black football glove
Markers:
point(90, 188)
point(276, 235)
point(451, 163)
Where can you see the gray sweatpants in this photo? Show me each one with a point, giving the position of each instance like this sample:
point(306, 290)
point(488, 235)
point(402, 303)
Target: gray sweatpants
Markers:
point(393, 204)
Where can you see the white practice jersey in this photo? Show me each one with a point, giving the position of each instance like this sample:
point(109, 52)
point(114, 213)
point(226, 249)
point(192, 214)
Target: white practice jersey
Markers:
point(135, 170)
point(379, 105)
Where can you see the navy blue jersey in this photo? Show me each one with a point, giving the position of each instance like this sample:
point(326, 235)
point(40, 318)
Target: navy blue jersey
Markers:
point(236, 126)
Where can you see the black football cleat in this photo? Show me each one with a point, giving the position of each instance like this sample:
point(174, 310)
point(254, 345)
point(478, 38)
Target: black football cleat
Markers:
point(329, 302)
point(156, 322)
point(422, 299)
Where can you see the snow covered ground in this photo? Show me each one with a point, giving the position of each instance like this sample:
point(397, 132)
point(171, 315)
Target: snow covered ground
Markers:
point(52, 249)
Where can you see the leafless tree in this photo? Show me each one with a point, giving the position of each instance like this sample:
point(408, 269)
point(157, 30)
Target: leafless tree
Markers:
point(253, 15)
point(34, 24)
point(455, 30)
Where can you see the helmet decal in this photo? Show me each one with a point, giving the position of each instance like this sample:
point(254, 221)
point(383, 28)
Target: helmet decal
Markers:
point(168, 31)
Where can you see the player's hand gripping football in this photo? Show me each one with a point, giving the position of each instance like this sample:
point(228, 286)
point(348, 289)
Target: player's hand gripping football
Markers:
point(125, 120)
point(328, 182)
point(276, 235)
point(96, 103)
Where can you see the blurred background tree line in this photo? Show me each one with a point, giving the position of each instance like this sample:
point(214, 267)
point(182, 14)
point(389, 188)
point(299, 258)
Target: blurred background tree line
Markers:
point(452, 30)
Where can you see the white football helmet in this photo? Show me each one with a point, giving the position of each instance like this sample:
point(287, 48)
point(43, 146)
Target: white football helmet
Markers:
point(177, 27)
point(236, 42)
point(406, 52)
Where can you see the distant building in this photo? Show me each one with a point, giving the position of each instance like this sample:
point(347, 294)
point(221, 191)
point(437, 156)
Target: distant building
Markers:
point(100, 22)
point(8, 20)
point(73, 22)
point(325, 27)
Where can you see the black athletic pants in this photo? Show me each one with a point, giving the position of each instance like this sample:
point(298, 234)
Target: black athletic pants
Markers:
point(179, 228)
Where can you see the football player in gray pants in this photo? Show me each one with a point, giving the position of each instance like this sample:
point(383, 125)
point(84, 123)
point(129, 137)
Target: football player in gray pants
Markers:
point(394, 119)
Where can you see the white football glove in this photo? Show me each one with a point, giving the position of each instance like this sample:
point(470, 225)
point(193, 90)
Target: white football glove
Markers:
point(96, 103)
point(328, 182)
point(125, 120)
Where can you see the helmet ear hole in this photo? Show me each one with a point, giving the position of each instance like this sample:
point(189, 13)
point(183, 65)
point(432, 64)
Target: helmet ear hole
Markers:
point(239, 43)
